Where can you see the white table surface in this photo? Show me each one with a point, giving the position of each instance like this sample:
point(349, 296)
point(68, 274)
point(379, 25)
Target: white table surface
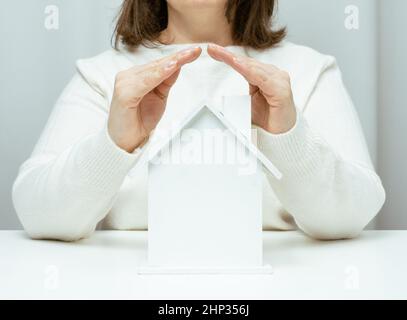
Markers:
point(104, 266)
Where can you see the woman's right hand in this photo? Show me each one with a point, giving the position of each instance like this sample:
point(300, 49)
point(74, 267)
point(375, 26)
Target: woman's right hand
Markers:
point(140, 96)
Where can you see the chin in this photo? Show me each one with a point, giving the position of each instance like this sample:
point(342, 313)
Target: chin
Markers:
point(199, 4)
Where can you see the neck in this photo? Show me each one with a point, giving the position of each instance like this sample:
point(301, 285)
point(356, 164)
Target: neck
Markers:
point(197, 25)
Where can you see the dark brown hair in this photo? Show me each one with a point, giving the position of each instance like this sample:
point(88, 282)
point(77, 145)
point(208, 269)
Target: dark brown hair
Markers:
point(141, 22)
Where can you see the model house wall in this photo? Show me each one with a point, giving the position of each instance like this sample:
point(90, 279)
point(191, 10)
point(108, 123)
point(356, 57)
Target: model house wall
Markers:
point(202, 213)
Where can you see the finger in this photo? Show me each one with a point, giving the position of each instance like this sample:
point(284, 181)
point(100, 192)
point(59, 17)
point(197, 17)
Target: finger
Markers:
point(221, 54)
point(253, 71)
point(182, 57)
point(163, 89)
point(188, 55)
point(227, 57)
point(238, 63)
point(152, 76)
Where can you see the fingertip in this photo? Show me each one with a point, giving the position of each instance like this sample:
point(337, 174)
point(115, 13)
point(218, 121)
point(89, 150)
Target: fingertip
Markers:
point(215, 46)
point(210, 49)
point(213, 52)
point(197, 52)
point(199, 49)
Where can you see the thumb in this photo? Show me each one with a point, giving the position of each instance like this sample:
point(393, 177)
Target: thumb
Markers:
point(164, 88)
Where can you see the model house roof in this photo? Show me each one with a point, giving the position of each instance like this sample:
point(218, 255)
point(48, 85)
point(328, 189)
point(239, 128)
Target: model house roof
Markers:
point(154, 149)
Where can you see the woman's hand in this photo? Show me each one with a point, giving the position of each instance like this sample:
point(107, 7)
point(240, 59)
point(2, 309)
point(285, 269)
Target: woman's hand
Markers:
point(273, 106)
point(140, 96)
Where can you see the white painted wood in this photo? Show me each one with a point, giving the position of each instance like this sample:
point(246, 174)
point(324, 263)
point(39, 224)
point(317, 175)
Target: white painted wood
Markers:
point(205, 178)
point(263, 270)
point(237, 109)
point(161, 140)
point(204, 215)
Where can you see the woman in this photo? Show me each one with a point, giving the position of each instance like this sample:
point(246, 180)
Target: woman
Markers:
point(306, 124)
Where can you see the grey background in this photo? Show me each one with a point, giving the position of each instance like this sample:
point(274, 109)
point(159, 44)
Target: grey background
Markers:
point(36, 64)
point(393, 112)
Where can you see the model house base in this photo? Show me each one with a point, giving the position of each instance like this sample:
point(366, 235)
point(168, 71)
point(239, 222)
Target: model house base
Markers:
point(147, 270)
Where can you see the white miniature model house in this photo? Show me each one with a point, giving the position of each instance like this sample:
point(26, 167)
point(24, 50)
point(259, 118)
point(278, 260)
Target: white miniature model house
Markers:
point(205, 193)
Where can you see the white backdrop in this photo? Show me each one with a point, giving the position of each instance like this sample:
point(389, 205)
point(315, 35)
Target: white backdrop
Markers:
point(36, 64)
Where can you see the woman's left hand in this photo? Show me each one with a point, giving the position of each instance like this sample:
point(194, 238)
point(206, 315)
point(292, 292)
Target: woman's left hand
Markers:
point(273, 106)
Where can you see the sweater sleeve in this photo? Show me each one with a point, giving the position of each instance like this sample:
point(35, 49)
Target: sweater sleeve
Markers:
point(75, 171)
point(329, 184)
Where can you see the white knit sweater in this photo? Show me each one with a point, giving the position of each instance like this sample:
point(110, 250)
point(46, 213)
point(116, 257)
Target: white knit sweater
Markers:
point(77, 178)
